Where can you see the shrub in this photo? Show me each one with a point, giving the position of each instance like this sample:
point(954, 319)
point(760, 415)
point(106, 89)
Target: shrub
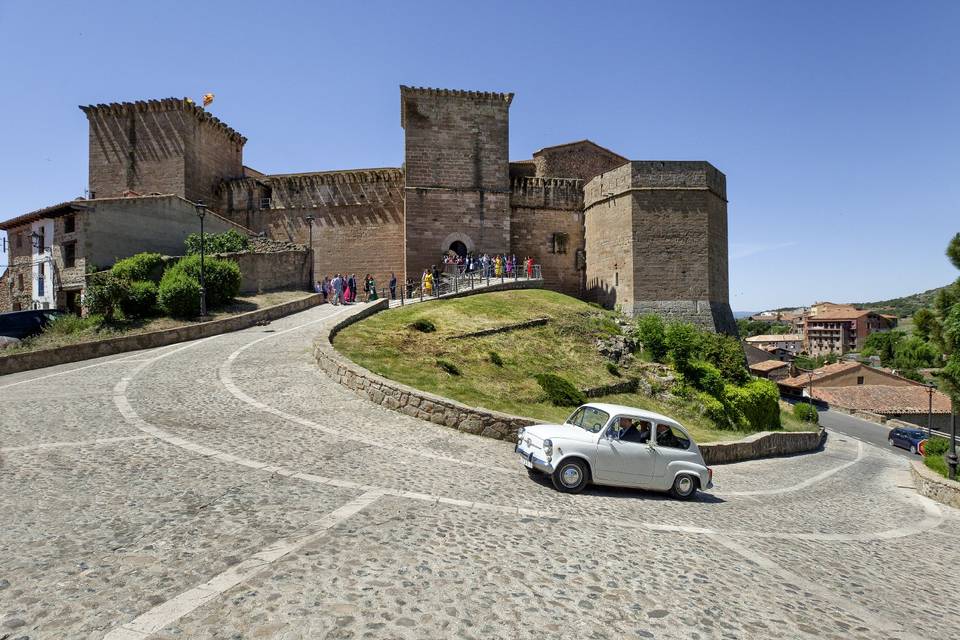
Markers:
point(228, 242)
point(714, 410)
point(726, 354)
point(683, 341)
point(69, 324)
point(612, 368)
point(754, 406)
point(423, 326)
point(104, 296)
point(703, 376)
point(805, 412)
point(143, 266)
point(222, 277)
point(496, 359)
point(140, 300)
point(449, 367)
point(560, 391)
point(651, 334)
point(179, 294)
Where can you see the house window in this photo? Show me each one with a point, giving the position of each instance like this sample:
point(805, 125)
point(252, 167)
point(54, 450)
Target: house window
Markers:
point(69, 255)
point(859, 379)
point(20, 240)
point(69, 224)
point(40, 281)
point(20, 281)
point(41, 244)
point(560, 243)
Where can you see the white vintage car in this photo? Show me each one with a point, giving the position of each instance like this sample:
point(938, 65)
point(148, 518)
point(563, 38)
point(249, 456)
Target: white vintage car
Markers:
point(615, 445)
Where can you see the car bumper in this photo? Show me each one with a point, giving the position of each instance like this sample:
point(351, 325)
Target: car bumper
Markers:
point(531, 461)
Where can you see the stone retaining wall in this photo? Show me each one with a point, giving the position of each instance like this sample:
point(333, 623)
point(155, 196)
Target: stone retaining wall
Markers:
point(493, 424)
point(762, 445)
point(99, 348)
point(627, 386)
point(536, 322)
point(931, 484)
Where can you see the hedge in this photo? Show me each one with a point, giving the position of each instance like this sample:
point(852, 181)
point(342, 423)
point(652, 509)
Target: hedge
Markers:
point(140, 299)
point(805, 412)
point(222, 278)
point(179, 294)
point(754, 406)
point(143, 266)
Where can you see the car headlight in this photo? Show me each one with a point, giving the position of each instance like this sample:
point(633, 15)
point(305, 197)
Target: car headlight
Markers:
point(548, 448)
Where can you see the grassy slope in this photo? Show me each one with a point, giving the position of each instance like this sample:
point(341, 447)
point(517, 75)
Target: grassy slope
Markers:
point(386, 345)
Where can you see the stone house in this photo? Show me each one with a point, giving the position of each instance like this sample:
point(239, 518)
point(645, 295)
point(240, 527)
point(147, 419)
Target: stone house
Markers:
point(642, 236)
point(771, 369)
point(839, 329)
point(52, 249)
point(790, 342)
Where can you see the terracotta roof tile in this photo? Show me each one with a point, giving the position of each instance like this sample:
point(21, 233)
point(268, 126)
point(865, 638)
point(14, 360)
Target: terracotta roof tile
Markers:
point(881, 398)
point(768, 365)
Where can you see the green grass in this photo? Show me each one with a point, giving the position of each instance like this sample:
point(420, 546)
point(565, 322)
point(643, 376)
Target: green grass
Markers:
point(387, 345)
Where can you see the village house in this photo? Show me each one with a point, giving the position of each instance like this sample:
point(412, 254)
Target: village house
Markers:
point(791, 343)
point(839, 329)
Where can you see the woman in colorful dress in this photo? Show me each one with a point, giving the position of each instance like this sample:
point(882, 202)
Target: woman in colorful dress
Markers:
point(498, 267)
point(427, 282)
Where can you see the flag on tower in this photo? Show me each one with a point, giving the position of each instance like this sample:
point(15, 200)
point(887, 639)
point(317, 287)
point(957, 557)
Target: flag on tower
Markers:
point(207, 99)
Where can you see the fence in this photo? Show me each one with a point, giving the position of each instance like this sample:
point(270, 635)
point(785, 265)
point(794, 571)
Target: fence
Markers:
point(452, 282)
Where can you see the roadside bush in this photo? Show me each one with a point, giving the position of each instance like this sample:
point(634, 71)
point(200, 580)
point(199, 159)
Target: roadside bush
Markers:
point(652, 335)
point(143, 266)
point(222, 278)
point(703, 376)
point(754, 406)
point(69, 324)
point(104, 296)
point(179, 294)
point(449, 367)
point(714, 410)
point(496, 359)
point(140, 300)
point(228, 242)
point(560, 392)
point(805, 412)
point(726, 354)
point(934, 455)
point(423, 326)
point(613, 370)
point(683, 342)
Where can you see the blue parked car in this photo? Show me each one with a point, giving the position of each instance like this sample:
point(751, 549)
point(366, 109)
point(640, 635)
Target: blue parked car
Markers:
point(907, 439)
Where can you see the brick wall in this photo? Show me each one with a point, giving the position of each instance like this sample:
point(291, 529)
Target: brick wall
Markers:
point(160, 146)
point(457, 184)
point(582, 160)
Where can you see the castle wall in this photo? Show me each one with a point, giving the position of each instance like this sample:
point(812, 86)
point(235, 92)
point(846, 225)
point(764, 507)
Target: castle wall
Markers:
point(540, 209)
point(582, 160)
point(358, 217)
point(456, 172)
point(165, 146)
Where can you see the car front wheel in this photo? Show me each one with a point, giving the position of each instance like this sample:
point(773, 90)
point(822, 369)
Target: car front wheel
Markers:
point(684, 487)
point(913, 448)
point(571, 476)
point(890, 441)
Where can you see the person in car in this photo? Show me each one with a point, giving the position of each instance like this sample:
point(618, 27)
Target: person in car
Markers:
point(665, 437)
point(635, 430)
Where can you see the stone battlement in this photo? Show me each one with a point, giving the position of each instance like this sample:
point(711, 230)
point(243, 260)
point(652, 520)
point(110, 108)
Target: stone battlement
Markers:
point(322, 189)
point(164, 104)
point(457, 93)
point(656, 174)
point(547, 193)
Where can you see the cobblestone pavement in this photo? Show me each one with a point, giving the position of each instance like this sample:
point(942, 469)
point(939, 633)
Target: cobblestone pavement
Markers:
point(224, 488)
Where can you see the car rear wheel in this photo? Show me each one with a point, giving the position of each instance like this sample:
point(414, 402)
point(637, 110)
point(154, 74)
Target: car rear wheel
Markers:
point(891, 442)
point(684, 487)
point(913, 448)
point(571, 476)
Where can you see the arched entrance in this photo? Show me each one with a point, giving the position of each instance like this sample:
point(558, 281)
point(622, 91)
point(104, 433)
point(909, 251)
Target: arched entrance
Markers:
point(458, 248)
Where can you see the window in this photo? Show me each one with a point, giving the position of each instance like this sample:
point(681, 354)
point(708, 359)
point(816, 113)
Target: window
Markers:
point(588, 418)
point(560, 243)
point(668, 436)
point(20, 281)
point(20, 240)
point(69, 224)
point(859, 379)
point(41, 244)
point(638, 431)
point(69, 255)
point(40, 281)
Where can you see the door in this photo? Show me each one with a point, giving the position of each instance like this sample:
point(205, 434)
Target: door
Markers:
point(624, 453)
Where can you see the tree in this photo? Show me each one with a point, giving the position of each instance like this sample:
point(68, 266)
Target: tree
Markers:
point(883, 344)
point(953, 251)
point(950, 320)
point(683, 341)
point(924, 323)
point(651, 334)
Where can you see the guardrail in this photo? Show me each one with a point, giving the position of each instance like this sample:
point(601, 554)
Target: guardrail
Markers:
point(456, 283)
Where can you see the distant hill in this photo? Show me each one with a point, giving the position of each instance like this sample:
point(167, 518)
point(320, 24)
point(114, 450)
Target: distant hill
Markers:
point(901, 307)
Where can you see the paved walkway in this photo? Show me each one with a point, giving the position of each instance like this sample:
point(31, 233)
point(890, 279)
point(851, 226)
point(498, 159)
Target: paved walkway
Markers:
point(224, 488)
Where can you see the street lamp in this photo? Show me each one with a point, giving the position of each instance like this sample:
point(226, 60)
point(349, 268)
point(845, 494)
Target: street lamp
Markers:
point(201, 212)
point(309, 220)
point(930, 388)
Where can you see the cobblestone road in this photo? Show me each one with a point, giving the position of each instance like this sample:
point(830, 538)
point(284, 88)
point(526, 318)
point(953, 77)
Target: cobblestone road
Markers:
point(224, 488)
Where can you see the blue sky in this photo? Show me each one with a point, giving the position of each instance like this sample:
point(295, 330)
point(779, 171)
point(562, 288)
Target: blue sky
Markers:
point(836, 123)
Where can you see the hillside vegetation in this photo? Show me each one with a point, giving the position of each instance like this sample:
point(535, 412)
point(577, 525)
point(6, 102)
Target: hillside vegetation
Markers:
point(413, 345)
point(904, 306)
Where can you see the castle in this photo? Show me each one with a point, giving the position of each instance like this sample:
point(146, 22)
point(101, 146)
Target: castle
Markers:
point(642, 236)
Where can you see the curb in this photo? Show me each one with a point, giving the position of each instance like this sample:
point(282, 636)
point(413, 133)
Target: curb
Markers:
point(934, 486)
point(17, 362)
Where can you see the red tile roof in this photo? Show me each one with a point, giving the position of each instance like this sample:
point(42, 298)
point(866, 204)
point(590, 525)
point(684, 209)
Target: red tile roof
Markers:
point(803, 379)
point(882, 398)
point(768, 365)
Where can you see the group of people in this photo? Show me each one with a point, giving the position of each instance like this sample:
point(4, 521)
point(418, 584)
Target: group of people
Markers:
point(343, 289)
point(493, 266)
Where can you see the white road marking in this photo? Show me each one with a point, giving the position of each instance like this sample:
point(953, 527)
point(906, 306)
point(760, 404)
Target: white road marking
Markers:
point(891, 628)
point(172, 610)
point(800, 485)
point(228, 383)
point(82, 443)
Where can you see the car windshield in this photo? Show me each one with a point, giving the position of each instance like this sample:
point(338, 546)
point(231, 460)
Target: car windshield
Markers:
point(589, 418)
point(915, 434)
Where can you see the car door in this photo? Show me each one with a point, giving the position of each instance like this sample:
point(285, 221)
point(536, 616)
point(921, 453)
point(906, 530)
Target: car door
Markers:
point(622, 462)
point(899, 439)
point(670, 444)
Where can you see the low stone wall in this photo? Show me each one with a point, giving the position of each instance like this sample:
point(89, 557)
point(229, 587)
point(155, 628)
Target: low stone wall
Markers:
point(536, 322)
point(493, 424)
point(399, 397)
point(931, 484)
point(762, 445)
point(627, 386)
point(270, 271)
point(99, 348)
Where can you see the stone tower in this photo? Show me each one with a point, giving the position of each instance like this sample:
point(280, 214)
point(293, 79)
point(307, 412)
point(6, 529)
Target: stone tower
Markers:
point(456, 173)
point(160, 146)
point(656, 241)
